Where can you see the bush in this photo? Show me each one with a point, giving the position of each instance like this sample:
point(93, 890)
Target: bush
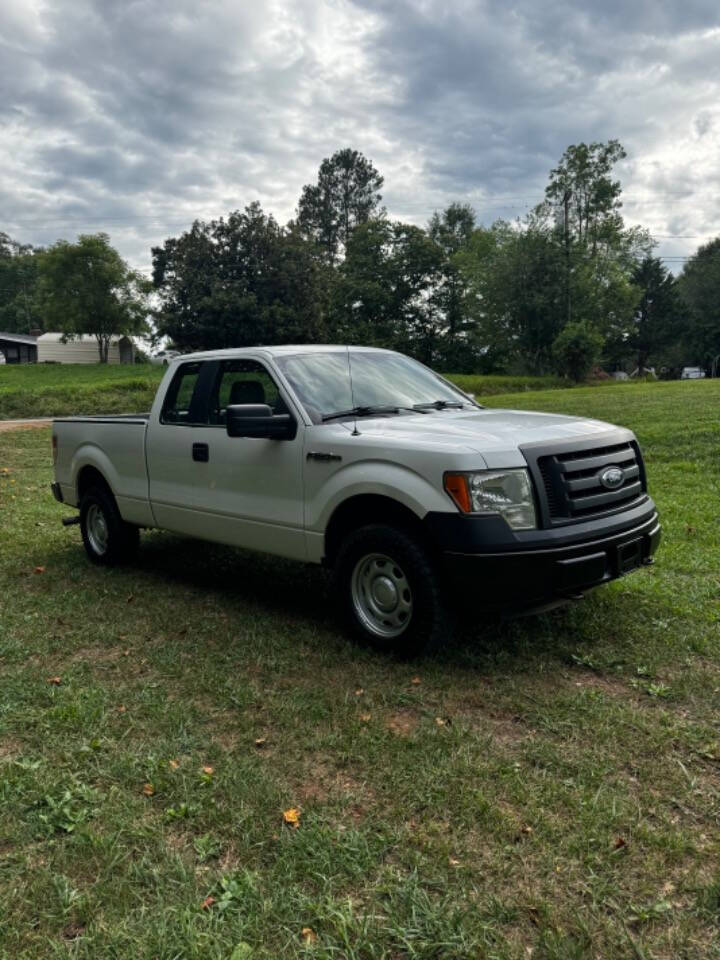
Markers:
point(576, 349)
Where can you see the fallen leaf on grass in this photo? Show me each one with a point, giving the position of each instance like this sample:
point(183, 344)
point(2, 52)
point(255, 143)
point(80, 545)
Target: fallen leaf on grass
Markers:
point(130, 598)
point(453, 862)
point(173, 764)
point(39, 569)
point(56, 681)
point(73, 930)
point(207, 903)
point(260, 742)
point(208, 771)
point(620, 842)
point(308, 935)
point(416, 681)
point(365, 717)
point(359, 692)
point(292, 817)
point(148, 790)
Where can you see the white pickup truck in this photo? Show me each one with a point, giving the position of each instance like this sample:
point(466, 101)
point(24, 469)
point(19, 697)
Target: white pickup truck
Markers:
point(366, 461)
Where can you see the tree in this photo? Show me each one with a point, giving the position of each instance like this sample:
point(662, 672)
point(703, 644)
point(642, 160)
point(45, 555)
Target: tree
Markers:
point(582, 212)
point(452, 231)
point(699, 287)
point(655, 324)
point(87, 288)
point(347, 193)
point(383, 288)
point(576, 349)
point(19, 308)
point(238, 281)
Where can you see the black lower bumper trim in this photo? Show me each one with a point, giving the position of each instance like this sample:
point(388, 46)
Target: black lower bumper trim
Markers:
point(57, 492)
point(531, 577)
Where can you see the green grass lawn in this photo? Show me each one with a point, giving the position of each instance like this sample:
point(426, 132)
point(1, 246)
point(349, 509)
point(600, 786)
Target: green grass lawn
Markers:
point(61, 389)
point(55, 390)
point(546, 788)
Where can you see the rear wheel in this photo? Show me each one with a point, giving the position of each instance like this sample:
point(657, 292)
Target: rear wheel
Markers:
point(389, 590)
point(108, 539)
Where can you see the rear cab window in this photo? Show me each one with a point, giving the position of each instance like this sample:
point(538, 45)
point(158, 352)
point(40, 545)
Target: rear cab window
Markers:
point(181, 400)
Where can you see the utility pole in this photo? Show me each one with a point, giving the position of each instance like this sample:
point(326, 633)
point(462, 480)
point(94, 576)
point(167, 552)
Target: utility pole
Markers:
point(566, 229)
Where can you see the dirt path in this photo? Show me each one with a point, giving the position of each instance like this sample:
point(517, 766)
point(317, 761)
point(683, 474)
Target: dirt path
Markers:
point(6, 425)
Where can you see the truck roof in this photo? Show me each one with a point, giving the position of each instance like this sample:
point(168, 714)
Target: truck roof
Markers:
point(278, 351)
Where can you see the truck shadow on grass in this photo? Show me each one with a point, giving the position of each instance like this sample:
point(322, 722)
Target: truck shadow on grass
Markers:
point(301, 597)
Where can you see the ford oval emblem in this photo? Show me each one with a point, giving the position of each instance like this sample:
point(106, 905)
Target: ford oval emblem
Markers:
point(612, 477)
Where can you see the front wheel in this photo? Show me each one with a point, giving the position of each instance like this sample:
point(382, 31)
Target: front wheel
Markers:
point(389, 590)
point(108, 539)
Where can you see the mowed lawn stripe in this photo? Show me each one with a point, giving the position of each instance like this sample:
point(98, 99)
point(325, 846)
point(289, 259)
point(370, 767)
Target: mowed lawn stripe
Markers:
point(547, 787)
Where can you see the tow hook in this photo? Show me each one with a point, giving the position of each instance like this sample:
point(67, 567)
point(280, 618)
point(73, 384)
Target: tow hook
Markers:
point(70, 521)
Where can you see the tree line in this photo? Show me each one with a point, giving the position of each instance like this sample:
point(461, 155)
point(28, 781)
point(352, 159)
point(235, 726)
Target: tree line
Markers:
point(567, 287)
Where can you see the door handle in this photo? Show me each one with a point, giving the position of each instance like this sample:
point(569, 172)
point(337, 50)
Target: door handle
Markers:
point(200, 452)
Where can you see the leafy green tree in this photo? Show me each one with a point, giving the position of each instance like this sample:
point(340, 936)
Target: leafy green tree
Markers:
point(19, 307)
point(576, 349)
point(383, 288)
point(347, 193)
point(239, 281)
point(452, 231)
point(657, 320)
point(87, 288)
point(599, 254)
point(699, 286)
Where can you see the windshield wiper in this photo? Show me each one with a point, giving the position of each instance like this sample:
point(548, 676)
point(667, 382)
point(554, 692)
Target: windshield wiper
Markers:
point(440, 405)
point(368, 412)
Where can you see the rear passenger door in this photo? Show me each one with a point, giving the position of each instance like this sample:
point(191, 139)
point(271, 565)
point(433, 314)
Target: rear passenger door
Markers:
point(236, 490)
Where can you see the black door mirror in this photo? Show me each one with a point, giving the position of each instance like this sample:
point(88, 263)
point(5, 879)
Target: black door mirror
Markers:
point(257, 420)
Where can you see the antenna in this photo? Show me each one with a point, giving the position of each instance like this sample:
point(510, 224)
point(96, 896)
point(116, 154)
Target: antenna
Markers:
point(356, 432)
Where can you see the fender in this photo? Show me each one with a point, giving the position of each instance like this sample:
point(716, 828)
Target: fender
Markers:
point(392, 480)
point(129, 490)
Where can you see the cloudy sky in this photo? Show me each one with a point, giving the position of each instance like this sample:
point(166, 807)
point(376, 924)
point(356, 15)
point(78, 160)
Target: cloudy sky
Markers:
point(136, 116)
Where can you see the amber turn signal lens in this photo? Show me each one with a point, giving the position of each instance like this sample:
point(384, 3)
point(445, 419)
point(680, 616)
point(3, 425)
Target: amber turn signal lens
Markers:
point(456, 486)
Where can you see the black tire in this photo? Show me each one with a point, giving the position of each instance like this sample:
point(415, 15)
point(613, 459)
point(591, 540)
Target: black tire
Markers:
point(368, 559)
point(121, 539)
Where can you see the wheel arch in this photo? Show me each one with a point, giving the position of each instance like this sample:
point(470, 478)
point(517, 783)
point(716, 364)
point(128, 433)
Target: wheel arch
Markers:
point(366, 508)
point(89, 476)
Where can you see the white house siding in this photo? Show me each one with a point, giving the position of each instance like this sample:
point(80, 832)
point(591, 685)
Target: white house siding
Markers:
point(81, 350)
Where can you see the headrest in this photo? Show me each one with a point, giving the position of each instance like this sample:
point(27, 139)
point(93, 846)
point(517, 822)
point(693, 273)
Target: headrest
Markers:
point(247, 391)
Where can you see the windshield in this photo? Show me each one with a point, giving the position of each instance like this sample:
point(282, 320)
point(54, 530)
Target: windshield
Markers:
point(322, 382)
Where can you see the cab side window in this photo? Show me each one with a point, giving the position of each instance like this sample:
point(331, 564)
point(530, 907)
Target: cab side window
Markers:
point(178, 405)
point(243, 381)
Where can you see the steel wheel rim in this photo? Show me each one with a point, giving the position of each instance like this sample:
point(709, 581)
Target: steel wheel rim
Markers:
point(381, 596)
point(97, 530)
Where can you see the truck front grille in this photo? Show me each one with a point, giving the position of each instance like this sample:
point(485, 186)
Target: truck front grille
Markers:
point(572, 481)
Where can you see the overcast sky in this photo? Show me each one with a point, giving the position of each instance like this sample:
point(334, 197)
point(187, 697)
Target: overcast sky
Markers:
point(136, 116)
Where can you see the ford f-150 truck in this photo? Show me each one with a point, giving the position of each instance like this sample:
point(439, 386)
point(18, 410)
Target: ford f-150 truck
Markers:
point(369, 462)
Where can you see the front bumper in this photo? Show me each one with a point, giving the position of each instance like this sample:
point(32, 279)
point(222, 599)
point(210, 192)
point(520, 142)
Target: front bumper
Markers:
point(527, 578)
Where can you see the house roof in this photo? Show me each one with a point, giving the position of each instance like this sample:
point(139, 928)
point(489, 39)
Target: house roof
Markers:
point(18, 338)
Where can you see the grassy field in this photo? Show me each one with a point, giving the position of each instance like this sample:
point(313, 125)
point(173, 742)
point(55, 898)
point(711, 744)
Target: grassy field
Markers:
point(53, 390)
point(547, 788)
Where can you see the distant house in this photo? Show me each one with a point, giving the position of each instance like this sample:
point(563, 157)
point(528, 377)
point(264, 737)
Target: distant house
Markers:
point(84, 349)
point(49, 348)
point(18, 347)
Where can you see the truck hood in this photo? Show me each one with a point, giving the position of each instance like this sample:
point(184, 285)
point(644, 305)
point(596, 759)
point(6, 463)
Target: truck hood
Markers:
point(494, 434)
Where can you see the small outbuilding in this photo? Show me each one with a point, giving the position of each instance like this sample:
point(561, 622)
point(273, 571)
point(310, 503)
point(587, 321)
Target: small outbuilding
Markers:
point(18, 347)
point(53, 348)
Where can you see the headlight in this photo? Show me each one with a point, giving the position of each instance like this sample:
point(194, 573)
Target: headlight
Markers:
point(507, 492)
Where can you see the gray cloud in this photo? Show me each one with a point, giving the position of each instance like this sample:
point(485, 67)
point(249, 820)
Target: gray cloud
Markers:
point(136, 117)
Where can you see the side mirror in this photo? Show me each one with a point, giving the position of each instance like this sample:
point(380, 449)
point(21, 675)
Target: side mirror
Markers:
point(257, 420)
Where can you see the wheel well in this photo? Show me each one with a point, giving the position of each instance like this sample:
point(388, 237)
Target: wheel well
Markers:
point(365, 509)
point(90, 477)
